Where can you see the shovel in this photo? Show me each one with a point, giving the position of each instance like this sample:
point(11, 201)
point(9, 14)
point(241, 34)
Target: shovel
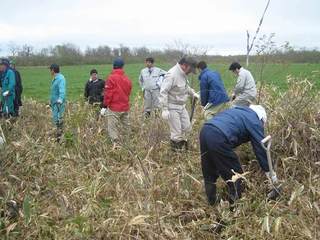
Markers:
point(276, 190)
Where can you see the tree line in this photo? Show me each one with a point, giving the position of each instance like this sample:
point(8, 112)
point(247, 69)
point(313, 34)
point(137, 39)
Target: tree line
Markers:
point(71, 54)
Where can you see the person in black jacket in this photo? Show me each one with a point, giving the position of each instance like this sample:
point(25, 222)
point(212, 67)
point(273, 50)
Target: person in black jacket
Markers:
point(94, 88)
point(18, 88)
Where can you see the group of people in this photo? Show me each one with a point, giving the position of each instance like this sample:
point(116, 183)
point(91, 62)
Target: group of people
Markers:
point(229, 123)
point(11, 89)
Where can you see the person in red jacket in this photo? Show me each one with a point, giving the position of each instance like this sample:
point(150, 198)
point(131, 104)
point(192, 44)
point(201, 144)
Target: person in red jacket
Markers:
point(117, 100)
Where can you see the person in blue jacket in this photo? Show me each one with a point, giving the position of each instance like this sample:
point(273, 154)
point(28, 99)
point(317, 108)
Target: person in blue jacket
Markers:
point(212, 91)
point(57, 98)
point(8, 83)
point(218, 138)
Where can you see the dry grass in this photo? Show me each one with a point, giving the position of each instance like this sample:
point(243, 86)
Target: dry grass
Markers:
point(83, 189)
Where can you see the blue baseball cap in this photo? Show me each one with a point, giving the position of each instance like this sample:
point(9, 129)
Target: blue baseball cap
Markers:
point(118, 63)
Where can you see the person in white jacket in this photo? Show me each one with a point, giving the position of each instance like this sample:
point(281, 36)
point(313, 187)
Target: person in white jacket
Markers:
point(245, 91)
point(150, 81)
point(174, 93)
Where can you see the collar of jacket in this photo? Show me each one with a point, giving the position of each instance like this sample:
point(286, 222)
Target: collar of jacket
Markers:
point(181, 71)
point(118, 71)
point(203, 72)
point(55, 76)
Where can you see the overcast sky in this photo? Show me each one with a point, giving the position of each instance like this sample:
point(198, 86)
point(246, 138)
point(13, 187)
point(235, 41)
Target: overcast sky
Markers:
point(218, 24)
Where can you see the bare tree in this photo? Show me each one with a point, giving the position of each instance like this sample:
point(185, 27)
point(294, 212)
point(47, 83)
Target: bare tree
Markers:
point(179, 49)
point(250, 45)
point(26, 51)
point(266, 48)
point(13, 49)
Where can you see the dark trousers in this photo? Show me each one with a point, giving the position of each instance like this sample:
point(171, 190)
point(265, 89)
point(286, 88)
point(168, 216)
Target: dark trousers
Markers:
point(218, 159)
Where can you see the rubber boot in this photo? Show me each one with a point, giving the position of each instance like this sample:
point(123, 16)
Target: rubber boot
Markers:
point(147, 115)
point(184, 144)
point(59, 131)
point(176, 146)
point(211, 191)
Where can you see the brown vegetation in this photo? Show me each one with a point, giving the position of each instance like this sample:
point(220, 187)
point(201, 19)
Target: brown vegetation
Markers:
point(84, 189)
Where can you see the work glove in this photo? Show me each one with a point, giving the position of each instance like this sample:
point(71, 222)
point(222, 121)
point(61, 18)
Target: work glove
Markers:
point(207, 106)
point(103, 112)
point(196, 95)
point(59, 101)
point(165, 114)
point(272, 177)
point(6, 93)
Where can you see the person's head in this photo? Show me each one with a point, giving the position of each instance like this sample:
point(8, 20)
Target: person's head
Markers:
point(13, 64)
point(202, 65)
point(149, 62)
point(188, 65)
point(4, 64)
point(54, 69)
point(118, 63)
point(94, 74)
point(261, 113)
point(235, 68)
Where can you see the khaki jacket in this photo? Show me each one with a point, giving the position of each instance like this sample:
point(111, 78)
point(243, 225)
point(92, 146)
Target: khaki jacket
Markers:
point(175, 89)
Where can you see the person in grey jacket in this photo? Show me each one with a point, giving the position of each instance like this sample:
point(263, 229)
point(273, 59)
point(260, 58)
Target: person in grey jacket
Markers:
point(150, 81)
point(174, 93)
point(245, 91)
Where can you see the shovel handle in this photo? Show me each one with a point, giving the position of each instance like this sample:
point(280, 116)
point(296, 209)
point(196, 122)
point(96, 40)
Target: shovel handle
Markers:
point(266, 139)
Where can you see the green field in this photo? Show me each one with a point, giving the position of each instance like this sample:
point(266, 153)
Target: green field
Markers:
point(36, 80)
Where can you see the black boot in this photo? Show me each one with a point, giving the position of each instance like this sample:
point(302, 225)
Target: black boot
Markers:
point(211, 190)
point(59, 131)
point(176, 146)
point(185, 145)
point(147, 115)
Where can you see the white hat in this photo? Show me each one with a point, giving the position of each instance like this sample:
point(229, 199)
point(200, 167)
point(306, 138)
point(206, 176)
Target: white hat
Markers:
point(260, 111)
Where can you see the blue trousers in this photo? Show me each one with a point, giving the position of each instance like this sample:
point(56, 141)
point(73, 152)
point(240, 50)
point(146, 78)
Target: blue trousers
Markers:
point(218, 159)
point(57, 113)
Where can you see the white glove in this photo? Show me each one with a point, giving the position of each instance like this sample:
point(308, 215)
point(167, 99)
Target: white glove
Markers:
point(207, 106)
point(59, 101)
point(272, 177)
point(165, 114)
point(196, 95)
point(6, 93)
point(103, 112)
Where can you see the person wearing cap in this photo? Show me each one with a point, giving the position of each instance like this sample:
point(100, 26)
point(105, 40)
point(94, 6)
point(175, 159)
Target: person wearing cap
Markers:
point(57, 98)
point(150, 80)
point(117, 100)
point(213, 94)
point(220, 136)
point(18, 88)
point(245, 91)
point(94, 88)
point(8, 83)
point(174, 93)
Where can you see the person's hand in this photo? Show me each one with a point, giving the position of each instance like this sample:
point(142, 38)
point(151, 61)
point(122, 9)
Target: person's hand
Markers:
point(272, 177)
point(196, 95)
point(6, 93)
point(165, 114)
point(103, 112)
point(59, 101)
